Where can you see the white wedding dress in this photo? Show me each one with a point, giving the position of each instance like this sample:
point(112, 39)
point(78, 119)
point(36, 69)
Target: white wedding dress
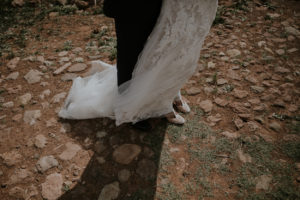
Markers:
point(167, 61)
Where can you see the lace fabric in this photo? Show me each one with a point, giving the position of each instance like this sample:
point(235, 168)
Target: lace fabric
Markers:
point(167, 61)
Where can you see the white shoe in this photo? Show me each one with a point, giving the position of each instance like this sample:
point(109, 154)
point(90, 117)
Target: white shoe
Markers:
point(175, 118)
point(182, 106)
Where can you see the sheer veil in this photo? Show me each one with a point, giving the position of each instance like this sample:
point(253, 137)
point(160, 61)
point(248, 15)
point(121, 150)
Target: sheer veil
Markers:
point(167, 61)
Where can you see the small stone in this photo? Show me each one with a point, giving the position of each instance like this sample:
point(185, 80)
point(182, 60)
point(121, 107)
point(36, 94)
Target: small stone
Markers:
point(33, 76)
point(240, 93)
point(40, 59)
point(61, 69)
point(282, 70)
point(233, 52)
point(9, 104)
point(12, 64)
point(30, 116)
point(292, 30)
point(291, 137)
point(17, 117)
point(146, 169)
point(221, 81)
point(230, 135)
point(18, 176)
point(45, 163)
point(257, 89)
point(293, 108)
point(244, 158)
point(297, 165)
point(193, 91)
point(254, 101)
point(63, 53)
point(238, 123)
point(280, 52)
point(53, 14)
point(70, 152)
point(211, 65)
point(77, 50)
point(275, 126)
point(24, 99)
point(101, 134)
point(45, 93)
point(278, 103)
point(79, 60)
point(221, 102)
point(99, 147)
point(110, 191)
point(52, 187)
point(40, 141)
point(124, 175)
point(125, 153)
point(65, 128)
point(57, 98)
point(11, 158)
point(63, 59)
point(77, 67)
point(292, 50)
point(259, 119)
point(12, 76)
point(100, 160)
point(253, 126)
point(206, 105)
point(263, 182)
point(69, 76)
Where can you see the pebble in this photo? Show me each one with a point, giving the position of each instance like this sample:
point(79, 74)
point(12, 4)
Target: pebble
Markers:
point(77, 67)
point(230, 134)
point(18, 176)
point(206, 105)
point(69, 76)
point(11, 158)
point(124, 175)
point(30, 116)
point(45, 163)
point(126, 153)
point(16, 192)
point(211, 65)
point(238, 123)
point(193, 91)
point(275, 126)
point(12, 76)
point(240, 93)
point(244, 158)
point(33, 76)
point(12, 64)
point(58, 97)
point(52, 187)
point(40, 141)
point(263, 182)
point(25, 99)
point(9, 104)
point(221, 102)
point(70, 151)
point(257, 89)
point(234, 52)
point(110, 191)
point(63, 53)
point(61, 69)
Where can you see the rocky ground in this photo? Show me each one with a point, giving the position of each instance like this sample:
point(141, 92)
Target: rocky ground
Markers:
point(241, 140)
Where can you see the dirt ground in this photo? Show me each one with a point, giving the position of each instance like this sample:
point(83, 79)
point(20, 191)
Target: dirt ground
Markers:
point(241, 139)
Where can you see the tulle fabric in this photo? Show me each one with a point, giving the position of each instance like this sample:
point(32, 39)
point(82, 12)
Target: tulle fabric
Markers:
point(168, 60)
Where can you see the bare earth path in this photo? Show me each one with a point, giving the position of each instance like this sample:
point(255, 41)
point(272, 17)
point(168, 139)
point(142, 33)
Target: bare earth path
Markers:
point(241, 140)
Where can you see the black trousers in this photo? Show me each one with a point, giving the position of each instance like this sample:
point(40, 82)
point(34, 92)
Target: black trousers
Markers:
point(132, 29)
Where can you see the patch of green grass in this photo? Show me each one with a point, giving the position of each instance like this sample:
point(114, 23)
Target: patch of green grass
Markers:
point(294, 127)
point(219, 16)
point(170, 192)
point(292, 149)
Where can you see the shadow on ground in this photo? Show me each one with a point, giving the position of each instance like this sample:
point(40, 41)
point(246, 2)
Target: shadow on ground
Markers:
point(103, 138)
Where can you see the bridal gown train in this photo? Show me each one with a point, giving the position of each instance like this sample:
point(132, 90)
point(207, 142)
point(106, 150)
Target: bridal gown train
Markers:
point(167, 61)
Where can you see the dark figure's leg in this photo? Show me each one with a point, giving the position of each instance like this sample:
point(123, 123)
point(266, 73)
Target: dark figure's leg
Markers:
point(131, 38)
